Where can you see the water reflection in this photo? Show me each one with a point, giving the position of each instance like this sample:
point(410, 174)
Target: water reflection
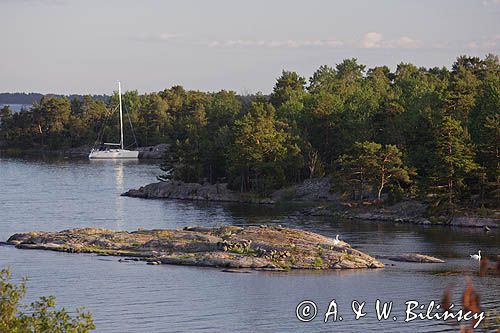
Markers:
point(118, 167)
point(56, 195)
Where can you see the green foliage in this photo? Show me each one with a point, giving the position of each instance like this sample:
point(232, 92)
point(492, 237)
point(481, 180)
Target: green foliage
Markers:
point(455, 163)
point(259, 150)
point(318, 262)
point(40, 316)
point(5, 123)
point(370, 129)
point(484, 126)
point(289, 87)
point(372, 167)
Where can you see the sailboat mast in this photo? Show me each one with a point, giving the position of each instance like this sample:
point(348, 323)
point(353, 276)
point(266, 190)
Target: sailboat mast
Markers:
point(121, 113)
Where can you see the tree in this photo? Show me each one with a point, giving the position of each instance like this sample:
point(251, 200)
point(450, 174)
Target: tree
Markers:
point(40, 316)
point(289, 86)
point(221, 112)
point(258, 150)
point(374, 166)
point(455, 162)
point(321, 122)
point(154, 120)
point(323, 79)
point(349, 77)
point(463, 87)
point(86, 121)
point(484, 124)
point(50, 118)
point(5, 122)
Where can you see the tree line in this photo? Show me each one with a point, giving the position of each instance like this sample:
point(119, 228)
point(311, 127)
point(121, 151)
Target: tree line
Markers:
point(30, 98)
point(431, 133)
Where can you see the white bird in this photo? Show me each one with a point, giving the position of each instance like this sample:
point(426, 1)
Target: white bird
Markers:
point(476, 256)
point(336, 241)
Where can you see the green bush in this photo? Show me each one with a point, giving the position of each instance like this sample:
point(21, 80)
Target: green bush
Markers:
point(41, 316)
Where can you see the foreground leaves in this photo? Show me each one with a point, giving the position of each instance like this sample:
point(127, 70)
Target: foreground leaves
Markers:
point(41, 316)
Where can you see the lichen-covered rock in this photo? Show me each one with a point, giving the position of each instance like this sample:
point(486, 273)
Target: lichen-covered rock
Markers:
point(256, 247)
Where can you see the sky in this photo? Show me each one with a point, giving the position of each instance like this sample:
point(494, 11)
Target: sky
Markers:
point(85, 46)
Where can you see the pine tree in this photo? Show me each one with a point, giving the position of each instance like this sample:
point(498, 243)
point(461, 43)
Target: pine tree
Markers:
point(455, 162)
point(374, 167)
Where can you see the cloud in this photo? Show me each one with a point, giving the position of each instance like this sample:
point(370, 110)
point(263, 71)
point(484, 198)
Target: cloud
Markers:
point(375, 40)
point(34, 2)
point(484, 43)
point(276, 43)
point(161, 37)
point(406, 42)
point(372, 40)
point(490, 2)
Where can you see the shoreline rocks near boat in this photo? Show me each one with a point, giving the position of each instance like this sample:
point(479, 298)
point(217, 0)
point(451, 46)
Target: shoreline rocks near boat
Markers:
point(173, 189)
point(253, 247)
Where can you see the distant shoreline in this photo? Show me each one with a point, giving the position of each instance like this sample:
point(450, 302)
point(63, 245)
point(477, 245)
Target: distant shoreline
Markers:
point(156, 152)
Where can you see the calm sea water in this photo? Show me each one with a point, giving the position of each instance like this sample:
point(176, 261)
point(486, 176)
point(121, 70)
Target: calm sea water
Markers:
point(134, 297)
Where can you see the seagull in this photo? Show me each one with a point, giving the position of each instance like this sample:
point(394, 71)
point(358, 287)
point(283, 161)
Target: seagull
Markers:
point(336, 241)
point(476, 256)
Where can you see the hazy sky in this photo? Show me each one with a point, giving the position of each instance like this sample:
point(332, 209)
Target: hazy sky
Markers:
point(70, 46)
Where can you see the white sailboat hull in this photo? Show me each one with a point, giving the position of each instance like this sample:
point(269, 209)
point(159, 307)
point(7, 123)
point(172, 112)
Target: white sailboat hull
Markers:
point(114, 154)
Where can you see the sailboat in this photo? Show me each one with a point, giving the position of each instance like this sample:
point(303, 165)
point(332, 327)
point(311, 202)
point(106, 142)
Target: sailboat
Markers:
point(114, 150)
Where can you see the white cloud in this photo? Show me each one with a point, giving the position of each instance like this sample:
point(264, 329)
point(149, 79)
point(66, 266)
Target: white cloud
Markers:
point(372, 40)
point(491, 2)
point(375, 40)
point(164, 36)
point(485, 43)
point(472, 45)
point(167, 35)
point(276, 43)
point(406, 42)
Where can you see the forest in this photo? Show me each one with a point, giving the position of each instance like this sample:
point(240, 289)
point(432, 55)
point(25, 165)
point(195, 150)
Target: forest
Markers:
point(426, 133)
point(30, 98)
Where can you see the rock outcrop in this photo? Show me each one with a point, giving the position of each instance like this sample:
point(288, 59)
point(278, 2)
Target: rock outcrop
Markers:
point(153, 152)
point(405, 212)
point(414, 257)
point(315, 189)
point(174, 189)
point(255, 247)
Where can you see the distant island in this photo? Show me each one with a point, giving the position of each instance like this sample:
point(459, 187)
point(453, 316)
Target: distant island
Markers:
point(430, 135)
point(30, 98)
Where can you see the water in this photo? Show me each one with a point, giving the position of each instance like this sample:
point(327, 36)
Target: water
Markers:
point(16, 107)
point(134, 297)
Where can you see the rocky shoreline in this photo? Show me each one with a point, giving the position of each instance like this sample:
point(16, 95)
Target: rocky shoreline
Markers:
point(174, 189)
point(315, 192)
point(254, 247)
point(406, 212)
